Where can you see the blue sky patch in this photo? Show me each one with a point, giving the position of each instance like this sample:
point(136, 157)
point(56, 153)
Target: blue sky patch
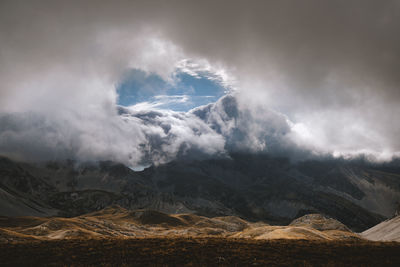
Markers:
point(182, 94)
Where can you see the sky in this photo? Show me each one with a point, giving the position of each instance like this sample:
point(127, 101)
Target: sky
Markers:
point(185, 89)
point(150, 81)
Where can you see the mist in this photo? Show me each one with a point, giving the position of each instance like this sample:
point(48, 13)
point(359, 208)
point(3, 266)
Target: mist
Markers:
point(310, 77)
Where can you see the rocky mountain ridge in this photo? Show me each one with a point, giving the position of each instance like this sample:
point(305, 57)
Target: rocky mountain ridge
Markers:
point(253, 187)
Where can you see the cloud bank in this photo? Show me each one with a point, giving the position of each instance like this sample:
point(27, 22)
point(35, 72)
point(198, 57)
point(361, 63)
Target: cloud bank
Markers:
point(139, 136)
point(330, 66)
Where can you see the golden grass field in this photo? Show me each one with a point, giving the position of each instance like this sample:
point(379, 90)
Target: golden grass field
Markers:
point(118, 237)
point(118, 222)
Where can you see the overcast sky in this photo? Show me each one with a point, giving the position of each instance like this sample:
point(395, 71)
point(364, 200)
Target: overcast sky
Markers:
point(330, 68)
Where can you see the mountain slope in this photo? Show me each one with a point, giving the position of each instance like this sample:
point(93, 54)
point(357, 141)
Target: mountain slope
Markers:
point(22, 193)
point(254, 187)
point(388, 230)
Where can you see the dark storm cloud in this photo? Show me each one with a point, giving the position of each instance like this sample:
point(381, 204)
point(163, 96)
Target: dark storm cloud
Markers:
point(332, 66)
point(310, 40)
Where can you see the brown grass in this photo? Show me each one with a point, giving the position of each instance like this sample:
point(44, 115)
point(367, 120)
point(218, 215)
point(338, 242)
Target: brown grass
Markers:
point(115, 222)
point(198, 252)
point(118, 237)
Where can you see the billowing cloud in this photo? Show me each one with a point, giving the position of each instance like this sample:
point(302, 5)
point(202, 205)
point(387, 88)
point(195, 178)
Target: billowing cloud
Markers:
point(330, 66)
point(134, 136)
point(139, 135)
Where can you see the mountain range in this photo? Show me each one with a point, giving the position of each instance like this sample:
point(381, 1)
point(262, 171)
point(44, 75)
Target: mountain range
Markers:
point(254, 187)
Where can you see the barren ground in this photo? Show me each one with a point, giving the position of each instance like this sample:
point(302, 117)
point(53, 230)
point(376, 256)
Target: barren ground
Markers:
point(198, 252)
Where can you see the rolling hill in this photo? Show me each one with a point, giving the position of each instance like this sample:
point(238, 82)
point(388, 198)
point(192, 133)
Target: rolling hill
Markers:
point(117, 222)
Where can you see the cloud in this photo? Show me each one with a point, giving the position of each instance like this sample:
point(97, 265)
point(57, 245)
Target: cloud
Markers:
point(187, 87)
point(162, 102)
point(203, 69)
point(134, 137)
point(140, 135)
point(330, 67)
point(171, 135)
point(252, 130)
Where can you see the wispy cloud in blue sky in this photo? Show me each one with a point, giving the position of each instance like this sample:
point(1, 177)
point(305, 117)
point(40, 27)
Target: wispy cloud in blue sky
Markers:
point(189, 86)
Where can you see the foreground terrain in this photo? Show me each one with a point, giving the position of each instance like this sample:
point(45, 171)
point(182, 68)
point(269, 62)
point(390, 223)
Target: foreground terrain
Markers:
point(62, 214)
point(115, 236)
point(198, 251)
point(117, 222)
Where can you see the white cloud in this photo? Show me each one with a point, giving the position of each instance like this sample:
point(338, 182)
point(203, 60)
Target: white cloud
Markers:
point(201, 67)
point(336, 79)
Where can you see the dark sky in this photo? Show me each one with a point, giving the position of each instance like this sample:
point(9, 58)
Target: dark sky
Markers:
point(332, 67)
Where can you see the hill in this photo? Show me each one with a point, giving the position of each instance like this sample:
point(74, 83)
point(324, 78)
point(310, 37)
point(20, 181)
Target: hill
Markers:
point(388, 230)
point(117, 222)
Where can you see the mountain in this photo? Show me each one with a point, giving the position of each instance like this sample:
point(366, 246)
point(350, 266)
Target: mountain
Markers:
point(255, 187)
point(388, 230)
point(23, 193)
